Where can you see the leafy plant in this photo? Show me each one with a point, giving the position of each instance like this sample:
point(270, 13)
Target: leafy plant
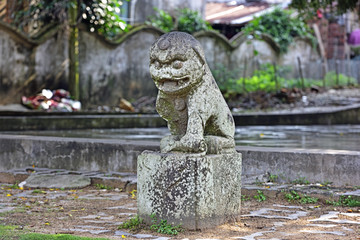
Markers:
point(348, 201)
point(273, 178)
point(304, 199)
point(191, 21)
point(332, 79)
point(14, 186)
point(301, 181)
point(245, 198)
point(260, 196)
point(186, 20)
point(162, 20)
point(132, 224)
point(307, 199)
point(308, 8)
point(281, 26)
point(164, 227)
point(102, 16)
point(224, 77)
point(292, 196)
point(38, 191)
point(102, 186)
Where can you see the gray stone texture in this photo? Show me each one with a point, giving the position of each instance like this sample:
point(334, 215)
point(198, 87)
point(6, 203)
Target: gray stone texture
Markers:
point(57, 181)
point(197, 192)
point(189, 99)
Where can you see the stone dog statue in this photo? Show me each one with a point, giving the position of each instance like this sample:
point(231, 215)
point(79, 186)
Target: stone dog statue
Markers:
point(189, 99)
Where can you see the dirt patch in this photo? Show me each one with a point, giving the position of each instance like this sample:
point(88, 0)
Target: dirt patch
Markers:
point(98, 213)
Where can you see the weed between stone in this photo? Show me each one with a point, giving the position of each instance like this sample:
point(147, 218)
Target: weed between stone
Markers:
point(160, 226)
point(134, 223)
point(164, 227)
point(260, 196)
point(293, 196)
point(301, 181)
point(101, 186)
point(273, 178)
point(348, 201)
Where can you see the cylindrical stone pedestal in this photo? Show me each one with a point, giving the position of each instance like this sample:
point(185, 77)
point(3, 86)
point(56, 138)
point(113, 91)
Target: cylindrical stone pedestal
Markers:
point(197, 192)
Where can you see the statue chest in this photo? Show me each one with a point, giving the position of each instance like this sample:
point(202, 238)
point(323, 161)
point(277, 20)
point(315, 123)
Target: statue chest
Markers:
point(172, 109)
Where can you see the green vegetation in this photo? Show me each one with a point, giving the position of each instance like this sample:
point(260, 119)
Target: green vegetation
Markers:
point(38, 191)
point(162, 20)
point(281, 26)
point(102, 16)
point(325, 184)
point(17, 233)
point(161, 226)
point(245, 198)
point(191, 21)
point(301, 181)
point(14, 186)
point(102, 186)
point(164, 227)
point(293, 196)
point(332, 79)
point(273, 178)
point(348, 201)
point(185, 20)
point(308, 8)
point(132, 224)
point(268, 78)
point(260, 196)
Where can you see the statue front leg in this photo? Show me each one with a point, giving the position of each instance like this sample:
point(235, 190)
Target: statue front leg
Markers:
point(193, 140)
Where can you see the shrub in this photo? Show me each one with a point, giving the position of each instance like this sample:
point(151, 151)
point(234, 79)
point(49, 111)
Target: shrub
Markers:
point(281, 26)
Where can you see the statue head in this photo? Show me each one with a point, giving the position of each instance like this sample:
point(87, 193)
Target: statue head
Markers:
point(177, 63)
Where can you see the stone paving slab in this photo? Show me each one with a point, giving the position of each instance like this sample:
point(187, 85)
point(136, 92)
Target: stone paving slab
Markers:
point(127, 182)
point(66, 181)
point(105, 210)
point(61, 178)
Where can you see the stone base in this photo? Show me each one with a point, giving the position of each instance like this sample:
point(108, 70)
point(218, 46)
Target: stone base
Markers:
point(197, 192)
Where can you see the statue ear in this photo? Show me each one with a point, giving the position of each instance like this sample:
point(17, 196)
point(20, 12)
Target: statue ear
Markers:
point(198, 53)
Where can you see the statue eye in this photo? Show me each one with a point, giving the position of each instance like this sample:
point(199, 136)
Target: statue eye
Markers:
point(156, 64)
point(177, 64)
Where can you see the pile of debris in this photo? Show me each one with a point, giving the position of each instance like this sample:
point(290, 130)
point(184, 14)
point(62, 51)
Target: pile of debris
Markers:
point(52, 101)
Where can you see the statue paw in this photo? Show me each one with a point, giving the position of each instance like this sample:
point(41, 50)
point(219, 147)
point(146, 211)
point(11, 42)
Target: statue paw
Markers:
point(193, 143)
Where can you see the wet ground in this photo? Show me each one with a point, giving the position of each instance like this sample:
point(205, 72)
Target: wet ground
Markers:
point(336, 137)
point(98, 213)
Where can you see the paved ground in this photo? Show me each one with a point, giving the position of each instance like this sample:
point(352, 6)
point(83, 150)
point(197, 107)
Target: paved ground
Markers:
point(96, 212)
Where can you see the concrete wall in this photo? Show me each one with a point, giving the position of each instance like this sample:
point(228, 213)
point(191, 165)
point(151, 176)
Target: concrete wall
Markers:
point(110, 70)
point(28, 65)
point(337, 166)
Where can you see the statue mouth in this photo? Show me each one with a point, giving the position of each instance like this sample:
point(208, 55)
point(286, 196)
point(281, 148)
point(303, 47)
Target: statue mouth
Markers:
point(171, 83)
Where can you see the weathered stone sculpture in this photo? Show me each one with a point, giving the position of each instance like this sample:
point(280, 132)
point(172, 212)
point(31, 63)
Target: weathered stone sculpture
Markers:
point(196, 179)
point(189, 99)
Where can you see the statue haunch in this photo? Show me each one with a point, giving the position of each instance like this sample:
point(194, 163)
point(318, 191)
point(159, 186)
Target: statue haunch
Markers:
point(189, 99)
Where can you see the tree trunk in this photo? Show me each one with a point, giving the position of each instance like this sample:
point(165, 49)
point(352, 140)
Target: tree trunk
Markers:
point(73, 51)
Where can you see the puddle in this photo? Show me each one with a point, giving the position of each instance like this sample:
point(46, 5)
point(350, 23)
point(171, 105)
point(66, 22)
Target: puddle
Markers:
point(337, 137)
